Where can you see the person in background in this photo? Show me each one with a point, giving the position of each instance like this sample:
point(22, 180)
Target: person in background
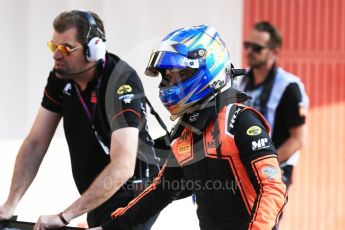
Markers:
point(221, 149)
point(103, 154)
point(277, 94)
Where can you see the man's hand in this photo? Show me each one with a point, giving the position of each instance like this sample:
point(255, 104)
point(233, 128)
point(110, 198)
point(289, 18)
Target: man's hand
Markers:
point(48, 222)
point(6, 212)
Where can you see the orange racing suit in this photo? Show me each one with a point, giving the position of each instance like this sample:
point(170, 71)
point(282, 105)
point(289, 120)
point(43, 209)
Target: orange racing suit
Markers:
point(227, 159)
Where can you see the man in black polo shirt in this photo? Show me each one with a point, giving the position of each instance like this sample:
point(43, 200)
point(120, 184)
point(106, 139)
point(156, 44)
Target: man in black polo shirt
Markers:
point(103, 154)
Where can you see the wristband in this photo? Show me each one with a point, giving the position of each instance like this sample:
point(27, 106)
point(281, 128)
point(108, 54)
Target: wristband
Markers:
point(64, 221)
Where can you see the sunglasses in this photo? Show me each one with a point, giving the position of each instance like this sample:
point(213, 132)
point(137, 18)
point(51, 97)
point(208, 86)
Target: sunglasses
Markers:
point(255, 47)
point(62, 48)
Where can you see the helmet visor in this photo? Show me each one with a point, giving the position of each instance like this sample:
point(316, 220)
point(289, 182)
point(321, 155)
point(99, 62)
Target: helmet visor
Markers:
point(176, 76)
point(168, 60)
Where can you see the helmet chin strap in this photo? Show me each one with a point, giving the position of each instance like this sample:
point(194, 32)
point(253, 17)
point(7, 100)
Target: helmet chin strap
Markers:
point(175, 117)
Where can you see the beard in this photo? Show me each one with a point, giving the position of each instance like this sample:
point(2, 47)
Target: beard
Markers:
point(256, 63)
point(63, 74)
point(66, 74)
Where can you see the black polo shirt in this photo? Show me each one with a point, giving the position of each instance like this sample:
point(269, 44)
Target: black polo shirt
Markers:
point(288, 112)
point(88, 158)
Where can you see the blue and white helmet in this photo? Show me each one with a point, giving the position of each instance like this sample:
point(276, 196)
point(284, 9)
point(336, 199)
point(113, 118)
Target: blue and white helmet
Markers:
point(198, 48)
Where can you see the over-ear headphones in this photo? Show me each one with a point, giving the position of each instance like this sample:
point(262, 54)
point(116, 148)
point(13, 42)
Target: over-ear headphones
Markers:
point(95, 47)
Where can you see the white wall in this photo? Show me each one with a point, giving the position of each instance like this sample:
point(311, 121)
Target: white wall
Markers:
point(133, 28)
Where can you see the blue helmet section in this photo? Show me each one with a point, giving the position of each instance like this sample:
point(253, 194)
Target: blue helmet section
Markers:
point(199, 48)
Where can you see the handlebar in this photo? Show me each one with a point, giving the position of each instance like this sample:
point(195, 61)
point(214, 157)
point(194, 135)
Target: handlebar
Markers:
point(13, 224)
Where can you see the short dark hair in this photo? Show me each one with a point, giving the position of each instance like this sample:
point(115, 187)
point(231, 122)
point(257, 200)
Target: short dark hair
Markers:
point(275, 37)
point(73, 19)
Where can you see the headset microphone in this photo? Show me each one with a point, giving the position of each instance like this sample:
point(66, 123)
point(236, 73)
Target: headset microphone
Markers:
point(64, 73)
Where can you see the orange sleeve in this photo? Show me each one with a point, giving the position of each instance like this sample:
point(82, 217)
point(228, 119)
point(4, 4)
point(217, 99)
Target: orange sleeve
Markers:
point(272, 197)
point(120, 211)
point(153, 199)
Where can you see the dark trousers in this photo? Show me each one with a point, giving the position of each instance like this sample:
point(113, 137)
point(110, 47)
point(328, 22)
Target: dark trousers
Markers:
point(102, 214)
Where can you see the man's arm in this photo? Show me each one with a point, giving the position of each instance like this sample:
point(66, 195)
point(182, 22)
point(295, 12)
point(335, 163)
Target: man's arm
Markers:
point(29, 158)
point(295, 104)
point(292, 144)
point(123, 152)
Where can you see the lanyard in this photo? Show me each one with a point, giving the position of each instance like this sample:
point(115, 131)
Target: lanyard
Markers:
point(91, 116)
